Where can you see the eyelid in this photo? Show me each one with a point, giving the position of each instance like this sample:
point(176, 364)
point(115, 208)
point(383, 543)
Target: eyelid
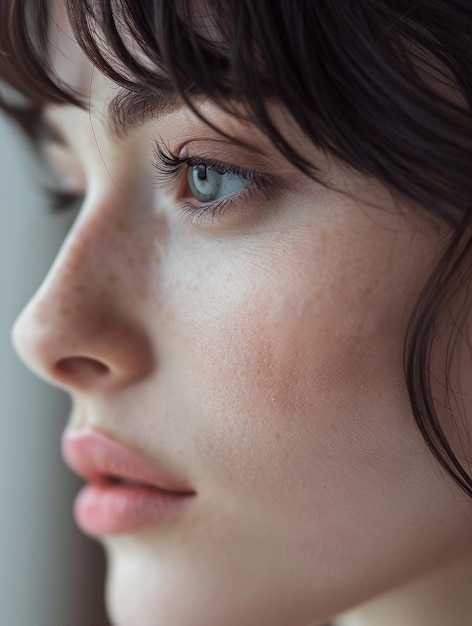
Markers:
point(66, 166)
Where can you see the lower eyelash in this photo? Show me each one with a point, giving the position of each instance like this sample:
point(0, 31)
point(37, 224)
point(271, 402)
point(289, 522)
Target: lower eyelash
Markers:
point(212, 210)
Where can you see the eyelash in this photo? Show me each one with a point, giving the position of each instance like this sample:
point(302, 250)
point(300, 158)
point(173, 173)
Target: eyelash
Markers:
point(169, 170)
point(60, 201)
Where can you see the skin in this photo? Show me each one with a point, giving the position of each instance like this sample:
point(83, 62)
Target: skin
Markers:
point(258, 357)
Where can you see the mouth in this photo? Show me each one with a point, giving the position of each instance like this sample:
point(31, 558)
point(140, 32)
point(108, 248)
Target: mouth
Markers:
point(125, 491)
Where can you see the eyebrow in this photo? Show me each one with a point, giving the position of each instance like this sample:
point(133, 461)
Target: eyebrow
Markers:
point(131, 109)
point(126, 111)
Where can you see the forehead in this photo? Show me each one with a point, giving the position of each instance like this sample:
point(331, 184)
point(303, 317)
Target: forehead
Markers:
point(67, 58)
point(122, 109)
point(74, 70)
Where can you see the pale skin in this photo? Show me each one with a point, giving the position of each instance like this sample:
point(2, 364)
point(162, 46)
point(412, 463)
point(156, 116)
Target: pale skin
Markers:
point(258, 355)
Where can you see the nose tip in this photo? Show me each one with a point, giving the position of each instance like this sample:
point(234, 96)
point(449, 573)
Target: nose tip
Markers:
point(83, 357)
point(29, 344)
point(113, 359)
point(98, 350)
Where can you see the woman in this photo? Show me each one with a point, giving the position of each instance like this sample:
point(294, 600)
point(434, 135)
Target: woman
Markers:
point(262, 310)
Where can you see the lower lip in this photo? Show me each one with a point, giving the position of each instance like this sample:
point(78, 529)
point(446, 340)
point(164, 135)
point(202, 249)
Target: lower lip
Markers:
point(107, 509)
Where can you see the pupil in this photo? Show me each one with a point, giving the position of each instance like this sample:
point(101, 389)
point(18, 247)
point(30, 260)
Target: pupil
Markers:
point(201, 172)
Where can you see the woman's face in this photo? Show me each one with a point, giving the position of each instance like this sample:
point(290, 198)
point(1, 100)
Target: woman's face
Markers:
point(252, 349)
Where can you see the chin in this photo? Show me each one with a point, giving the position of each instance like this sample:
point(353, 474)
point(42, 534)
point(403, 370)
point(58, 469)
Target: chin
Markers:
point(148, 588)
point(141, 590)
point(140, 601)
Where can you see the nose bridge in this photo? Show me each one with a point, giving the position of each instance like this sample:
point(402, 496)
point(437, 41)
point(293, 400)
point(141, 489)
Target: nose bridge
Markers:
point(82, 327)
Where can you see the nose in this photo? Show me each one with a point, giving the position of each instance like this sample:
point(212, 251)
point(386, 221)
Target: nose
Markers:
point(83, 330)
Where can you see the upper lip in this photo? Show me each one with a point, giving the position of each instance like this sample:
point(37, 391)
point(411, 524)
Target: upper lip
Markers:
point(100, 458)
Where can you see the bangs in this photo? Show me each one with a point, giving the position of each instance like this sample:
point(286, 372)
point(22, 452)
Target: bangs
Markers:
point(346, 72)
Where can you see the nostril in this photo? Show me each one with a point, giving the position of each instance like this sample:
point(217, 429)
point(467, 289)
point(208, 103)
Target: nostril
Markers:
point(81, 370)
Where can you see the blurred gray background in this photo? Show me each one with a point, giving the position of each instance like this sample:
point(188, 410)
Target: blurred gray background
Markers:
point(50, 574)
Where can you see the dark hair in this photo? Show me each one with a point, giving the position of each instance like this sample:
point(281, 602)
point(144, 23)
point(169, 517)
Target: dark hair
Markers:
point(383, 85)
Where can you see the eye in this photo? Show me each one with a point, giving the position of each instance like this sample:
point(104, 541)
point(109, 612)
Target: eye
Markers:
point(209, 183)
point(65, 180)
point(205, 189)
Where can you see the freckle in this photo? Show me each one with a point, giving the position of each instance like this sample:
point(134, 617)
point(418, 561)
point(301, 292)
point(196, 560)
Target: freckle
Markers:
point(65, 310)
point(278, 436)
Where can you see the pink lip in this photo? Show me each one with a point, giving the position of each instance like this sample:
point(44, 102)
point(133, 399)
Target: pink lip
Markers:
point(107, 505)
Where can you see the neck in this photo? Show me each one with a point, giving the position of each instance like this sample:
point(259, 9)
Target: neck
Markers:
point(441, 598)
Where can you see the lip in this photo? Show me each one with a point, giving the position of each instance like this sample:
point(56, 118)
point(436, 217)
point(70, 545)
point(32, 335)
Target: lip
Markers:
point(125, 491)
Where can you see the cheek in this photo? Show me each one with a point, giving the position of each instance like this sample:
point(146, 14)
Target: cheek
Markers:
point(294, 350)
point(307, 381)
point(290, 330)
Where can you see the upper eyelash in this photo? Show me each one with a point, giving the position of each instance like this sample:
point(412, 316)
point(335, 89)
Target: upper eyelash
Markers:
point(165, 162)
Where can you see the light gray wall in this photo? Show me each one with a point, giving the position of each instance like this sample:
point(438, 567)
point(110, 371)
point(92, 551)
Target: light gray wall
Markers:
point(50, 575)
